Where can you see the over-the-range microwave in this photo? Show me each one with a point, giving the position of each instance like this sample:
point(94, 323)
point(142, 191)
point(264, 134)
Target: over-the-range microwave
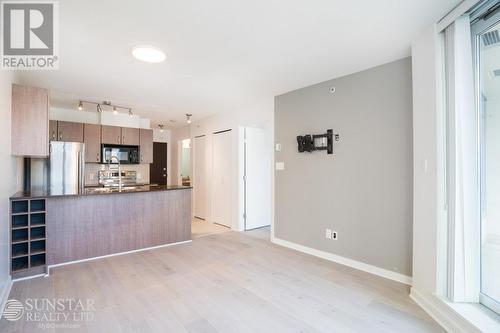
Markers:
point(126, 154)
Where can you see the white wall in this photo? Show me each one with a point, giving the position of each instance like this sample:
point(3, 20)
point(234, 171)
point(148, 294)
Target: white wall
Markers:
point(425, 185)
point(260, 114)
point(103, 118)
point(10, 180)
point(178, 134)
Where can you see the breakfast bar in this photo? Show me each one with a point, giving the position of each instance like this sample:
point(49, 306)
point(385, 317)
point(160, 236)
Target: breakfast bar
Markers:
point(100, 222)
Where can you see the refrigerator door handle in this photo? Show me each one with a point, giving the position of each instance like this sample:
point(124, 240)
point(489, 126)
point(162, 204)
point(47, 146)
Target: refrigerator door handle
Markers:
point(80, 172)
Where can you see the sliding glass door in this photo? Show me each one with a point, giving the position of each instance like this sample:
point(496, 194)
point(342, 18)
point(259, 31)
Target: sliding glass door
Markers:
point(486, 37)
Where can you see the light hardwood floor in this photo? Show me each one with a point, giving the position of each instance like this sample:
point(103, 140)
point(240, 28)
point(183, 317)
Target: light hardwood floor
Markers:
point(201, 228)
point(227, 282)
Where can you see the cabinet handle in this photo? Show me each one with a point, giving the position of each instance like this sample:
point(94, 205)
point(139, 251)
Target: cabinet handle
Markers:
point(123, 139)
point(118, 139)
point(60, 136)
point(97, 157)
point(142, 158)
point(53, 135)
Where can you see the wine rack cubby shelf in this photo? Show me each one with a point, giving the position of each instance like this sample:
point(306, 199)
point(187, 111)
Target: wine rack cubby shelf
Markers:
point(27, 236)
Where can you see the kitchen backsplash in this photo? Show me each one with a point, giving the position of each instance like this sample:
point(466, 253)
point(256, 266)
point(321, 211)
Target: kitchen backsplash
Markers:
point(92, 169)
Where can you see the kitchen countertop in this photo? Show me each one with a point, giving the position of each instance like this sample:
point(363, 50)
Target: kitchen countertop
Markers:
point(97, 191)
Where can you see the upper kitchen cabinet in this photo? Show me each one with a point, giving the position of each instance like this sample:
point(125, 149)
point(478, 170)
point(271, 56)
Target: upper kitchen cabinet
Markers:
point(29, 121)
point(69, 131)
point(130, 136)
point(146, 148)
point(92, 140)
point(53, 130)
point(111, 135)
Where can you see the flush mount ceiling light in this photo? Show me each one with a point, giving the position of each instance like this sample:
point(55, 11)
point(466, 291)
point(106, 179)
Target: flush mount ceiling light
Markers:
point(188, 117)
point(148, 54)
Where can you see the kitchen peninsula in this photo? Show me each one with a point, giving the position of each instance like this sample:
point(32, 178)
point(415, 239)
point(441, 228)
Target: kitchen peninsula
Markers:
point(56, 229)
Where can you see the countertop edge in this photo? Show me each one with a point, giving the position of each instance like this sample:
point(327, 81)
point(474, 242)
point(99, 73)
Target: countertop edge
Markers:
point(20, 195)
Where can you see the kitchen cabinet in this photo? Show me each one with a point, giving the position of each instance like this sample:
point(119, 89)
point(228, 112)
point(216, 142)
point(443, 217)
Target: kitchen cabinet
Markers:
point(111, 135)
point(146, 145)
point(69, 131)
point(92, 140)
point(53, 130)
point(29, 121)
point(130, 136)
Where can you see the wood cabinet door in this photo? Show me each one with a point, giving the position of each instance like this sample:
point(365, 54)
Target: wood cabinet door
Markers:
point(92, 140)
point(69, 131)
point(29, 121)
point(130, 136)
point(111, 134)
point(146, 141)
point(53, 130)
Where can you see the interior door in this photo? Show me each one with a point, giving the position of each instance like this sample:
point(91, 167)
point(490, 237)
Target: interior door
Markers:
point(158, 169)
point(221, 178)
point(257, 179)
point(200, 182)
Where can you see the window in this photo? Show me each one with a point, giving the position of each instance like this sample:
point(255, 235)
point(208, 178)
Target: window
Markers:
point(486, 48)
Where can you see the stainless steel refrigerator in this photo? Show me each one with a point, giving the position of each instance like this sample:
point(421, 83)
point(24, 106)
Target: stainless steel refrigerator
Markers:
point(66, 167)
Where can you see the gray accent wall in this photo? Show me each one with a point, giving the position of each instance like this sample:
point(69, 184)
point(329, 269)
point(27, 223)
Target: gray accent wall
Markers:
point(364, 190)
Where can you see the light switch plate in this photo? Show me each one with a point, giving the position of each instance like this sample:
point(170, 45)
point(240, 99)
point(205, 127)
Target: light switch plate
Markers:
point(328, 233)
point(278, 147)
point(280, 165)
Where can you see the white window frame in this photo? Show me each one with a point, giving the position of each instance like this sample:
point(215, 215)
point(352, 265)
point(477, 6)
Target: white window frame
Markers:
point(477, 28)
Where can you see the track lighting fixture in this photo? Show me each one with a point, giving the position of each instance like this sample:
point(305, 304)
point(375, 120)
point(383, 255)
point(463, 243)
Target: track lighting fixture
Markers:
point(107, 106)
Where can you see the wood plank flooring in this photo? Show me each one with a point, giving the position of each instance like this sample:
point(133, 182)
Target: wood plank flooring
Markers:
point(226, 282)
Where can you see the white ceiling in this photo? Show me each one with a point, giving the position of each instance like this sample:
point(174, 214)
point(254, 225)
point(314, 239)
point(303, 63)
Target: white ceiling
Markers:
point(223, 54)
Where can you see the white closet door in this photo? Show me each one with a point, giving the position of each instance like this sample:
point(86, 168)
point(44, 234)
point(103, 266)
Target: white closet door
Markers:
point(221, 202)
point(200, 181)
point(257, 179)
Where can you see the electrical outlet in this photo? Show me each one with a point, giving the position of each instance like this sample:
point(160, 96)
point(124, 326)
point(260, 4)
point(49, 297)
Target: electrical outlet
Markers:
point(328, 233)
point(335, 236)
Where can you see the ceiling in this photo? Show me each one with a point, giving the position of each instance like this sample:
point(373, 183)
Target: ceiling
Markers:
point(222, 55)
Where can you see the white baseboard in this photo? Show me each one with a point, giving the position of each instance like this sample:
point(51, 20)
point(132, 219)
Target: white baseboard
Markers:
point(345, 261)
point(115, 254)
point(442, 314)
point(5, 292)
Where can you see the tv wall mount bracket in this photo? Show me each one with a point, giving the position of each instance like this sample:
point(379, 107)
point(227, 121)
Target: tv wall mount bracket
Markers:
point(311, 142)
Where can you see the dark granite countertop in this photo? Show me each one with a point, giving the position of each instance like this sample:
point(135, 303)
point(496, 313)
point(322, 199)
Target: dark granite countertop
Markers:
point(97, 191)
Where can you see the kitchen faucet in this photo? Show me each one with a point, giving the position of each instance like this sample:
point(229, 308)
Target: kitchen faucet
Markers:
point(119, 170)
